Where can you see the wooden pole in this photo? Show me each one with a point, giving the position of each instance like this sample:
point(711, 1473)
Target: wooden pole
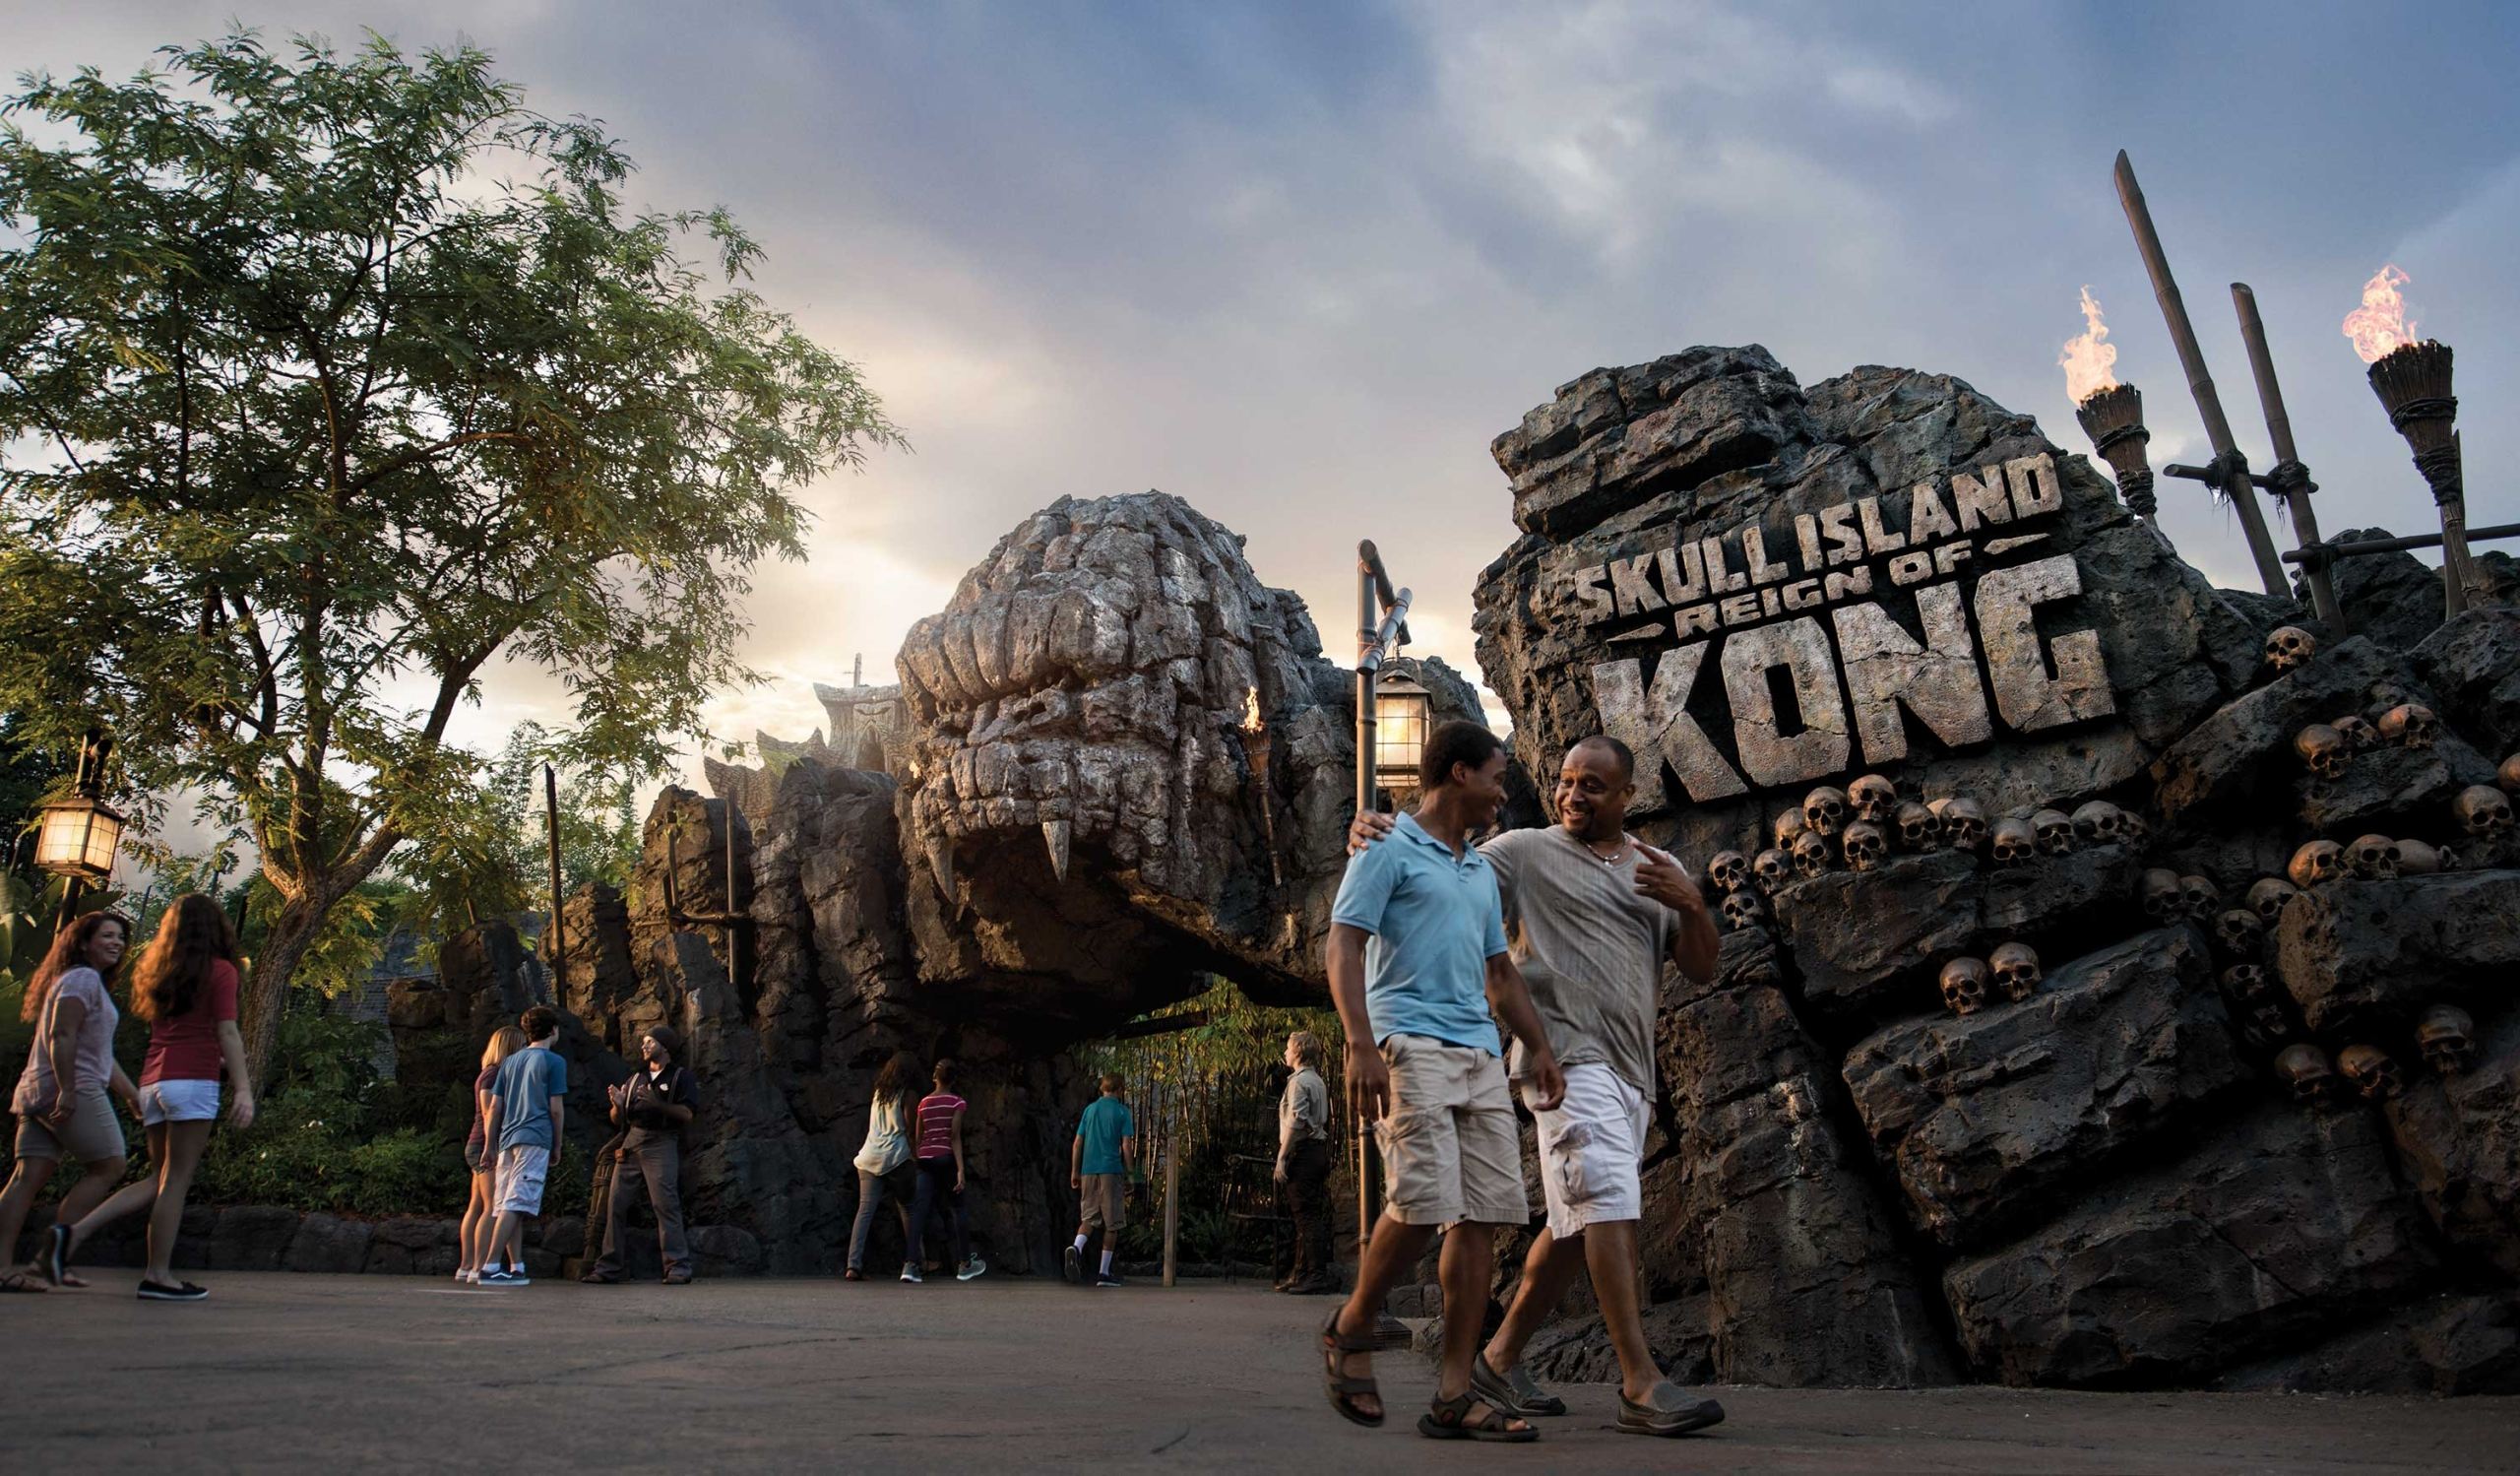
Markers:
point(2279, 432)
point(552, 841)
point(2200, 383)
point(1172, 1193)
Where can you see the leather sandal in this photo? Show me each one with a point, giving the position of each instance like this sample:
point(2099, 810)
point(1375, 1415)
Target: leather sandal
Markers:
point(1342, 1389)
point(1449, 1419)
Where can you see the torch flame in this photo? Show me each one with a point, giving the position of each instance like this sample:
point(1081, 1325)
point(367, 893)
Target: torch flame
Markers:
point(2380, 325)
point(2089, 355)
point(1251, 711)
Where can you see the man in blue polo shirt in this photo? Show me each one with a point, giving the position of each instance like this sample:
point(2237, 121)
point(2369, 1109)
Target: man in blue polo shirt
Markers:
point(1417, 959)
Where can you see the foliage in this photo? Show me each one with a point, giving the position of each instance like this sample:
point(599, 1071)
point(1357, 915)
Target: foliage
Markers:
point(27, 773)
point(326, 381)
point(503, 867)
point(320, 1140)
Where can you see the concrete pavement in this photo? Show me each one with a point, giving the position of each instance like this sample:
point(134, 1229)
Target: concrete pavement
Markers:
point(334, 1373)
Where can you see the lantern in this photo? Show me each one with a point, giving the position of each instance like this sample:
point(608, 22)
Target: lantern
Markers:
point(79, 834)
point(1400, 729)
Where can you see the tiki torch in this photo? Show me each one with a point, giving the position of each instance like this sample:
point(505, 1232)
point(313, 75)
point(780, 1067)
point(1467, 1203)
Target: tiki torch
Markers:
point(2412, 381)
point(2112, 414)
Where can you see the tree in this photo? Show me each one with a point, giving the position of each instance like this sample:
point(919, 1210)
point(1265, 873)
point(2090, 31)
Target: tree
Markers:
point(326, 381)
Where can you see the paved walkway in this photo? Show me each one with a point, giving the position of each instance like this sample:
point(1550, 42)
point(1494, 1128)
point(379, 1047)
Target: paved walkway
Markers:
point(354, 1373)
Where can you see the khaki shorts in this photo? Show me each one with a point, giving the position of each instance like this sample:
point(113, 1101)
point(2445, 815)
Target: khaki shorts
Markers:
point(1450, 1151)
point(94, 1134)
point(1104, 1200)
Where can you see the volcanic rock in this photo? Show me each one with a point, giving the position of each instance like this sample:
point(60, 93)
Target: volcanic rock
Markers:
point(2473, 663)
point(2459, 1138)
point(2448, 1344)
point(2361, 955)
point(252, 1238)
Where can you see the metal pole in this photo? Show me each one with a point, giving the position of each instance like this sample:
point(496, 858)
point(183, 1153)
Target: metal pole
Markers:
point(71, 887)
point(1368, 574)
point(2288, 464)
point(551, 841)
point(2209, 405)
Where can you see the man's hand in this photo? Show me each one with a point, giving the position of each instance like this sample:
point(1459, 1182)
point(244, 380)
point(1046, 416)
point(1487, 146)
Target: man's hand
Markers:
point(1546, 1085)
point(1367, 828)
point(1368, 1082)
point(1075, 1180)
point(1659, 877)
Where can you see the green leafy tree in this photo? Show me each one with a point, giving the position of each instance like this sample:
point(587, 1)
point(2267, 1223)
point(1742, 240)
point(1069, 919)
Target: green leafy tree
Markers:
point(326, 381)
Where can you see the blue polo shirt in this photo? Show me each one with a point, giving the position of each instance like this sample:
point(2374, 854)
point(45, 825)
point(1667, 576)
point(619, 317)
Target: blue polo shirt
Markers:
point(1436, 919)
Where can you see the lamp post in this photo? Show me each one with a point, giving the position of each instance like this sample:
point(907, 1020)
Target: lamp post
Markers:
point(79, 834)
point(1382, 628)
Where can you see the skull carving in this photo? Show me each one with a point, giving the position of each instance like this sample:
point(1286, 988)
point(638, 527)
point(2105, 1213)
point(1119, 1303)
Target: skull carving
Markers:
point(2371, 1072)
point(2239, 932)
point(2198, 898)
point(2016, 970)
point(2056, 833)
point(2508, 775)
point(1728, 869)
point(2323, 749)
point(1875, 798)
point(2411, 725)
point(1920, 828)
point(2267, 898)
point(2373, 857)
point(1771, 869)
point(2316, 864)
point(2267, 1023)
point(2287, 646)
point(2305, 1070)
point(1867, 845)
point(2418, 859)
point(2247, 983)
point(2448, 1038)
point(1788, 826)
point(1742, 911)
point(2015, 842)
point(1811, 854)
point(1964, 823)
point(2484, 811)
point(1964, 986)
point(2359, 733)
point(2100, 823)
point(1825, 809)
point(2161, 894)
point(2382, 695)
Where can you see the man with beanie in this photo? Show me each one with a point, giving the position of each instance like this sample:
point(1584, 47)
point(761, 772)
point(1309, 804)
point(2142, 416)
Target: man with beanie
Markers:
point(653, 1107)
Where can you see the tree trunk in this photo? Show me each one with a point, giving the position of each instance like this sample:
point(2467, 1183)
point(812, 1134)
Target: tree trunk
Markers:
point(265, 994)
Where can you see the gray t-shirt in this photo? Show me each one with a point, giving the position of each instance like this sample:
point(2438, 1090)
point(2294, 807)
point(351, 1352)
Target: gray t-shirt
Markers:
point(1304, 1111)
point(1590, 945)
point(92, 1064)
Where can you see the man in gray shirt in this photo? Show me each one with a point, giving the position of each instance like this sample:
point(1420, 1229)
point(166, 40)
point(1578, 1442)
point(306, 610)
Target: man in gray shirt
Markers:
point(1303, 1167)
point(1590, 914)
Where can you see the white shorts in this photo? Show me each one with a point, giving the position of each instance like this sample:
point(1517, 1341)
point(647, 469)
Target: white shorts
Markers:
point(1591, 1148)
point(178, 1101)
point(519, 1184)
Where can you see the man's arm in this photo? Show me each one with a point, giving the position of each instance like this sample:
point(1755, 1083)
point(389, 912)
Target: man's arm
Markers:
point(490, 1120)
point(1129, 1151)
point(1511, 999)
point(679, 1112)
point(1695, 938)
point(1368, 1078)
point(1076, 1162)
point(559, 1109)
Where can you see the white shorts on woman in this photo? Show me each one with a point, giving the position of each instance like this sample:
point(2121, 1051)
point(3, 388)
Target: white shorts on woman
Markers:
point(178, 1099)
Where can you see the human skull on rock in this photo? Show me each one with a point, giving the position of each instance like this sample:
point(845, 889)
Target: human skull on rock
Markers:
point(2056, 833)
point(1873, 799)
point(1825, 810)
point(2016, 970)
point(2360, 735)
point(2423, 858)
point(2287, 646)
point(2316, 864)
point(2100, 823)
point(1964, 821)
point(1866, 845)
point(2371, 1072)
point(2268, 1024)
point(2483, 812)
point(2014, 842)
point(2305, 1068)
point(2198, 898)
point(2160, 893)
point(2267, 896)
point(1920, 828)
point(1771, 869)
point(1729, 870)
point(2507, 775)
point(1788, 825)
point(1743, 911)
point(2247, 983)
point(2241, 932)
point(2323, 750)
point(2411, 725)
point(1811, 854)
point(1965, 982)
point(2447, 1037)
point(2373, 857)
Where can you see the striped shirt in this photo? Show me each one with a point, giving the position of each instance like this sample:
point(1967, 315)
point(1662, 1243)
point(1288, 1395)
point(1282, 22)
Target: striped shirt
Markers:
point(1590, 945)
point(936, 1123)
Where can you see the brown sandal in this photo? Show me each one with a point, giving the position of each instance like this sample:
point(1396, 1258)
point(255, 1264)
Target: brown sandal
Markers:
point(1342, 1389)
point(1449, 1419)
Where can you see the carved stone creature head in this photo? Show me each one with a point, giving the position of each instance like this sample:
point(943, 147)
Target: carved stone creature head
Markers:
point(1866, 845)
point(2267, 897)
point(1874, 798)
point(2508, 775)
point(2448, 1038)
point(1771, 869)
point(1826, 810)
point(2241, 932)
point(2247, 983)
point(1788, 825)
point(2371, 1072)
point(1811, 854)
point(2484, 811)
point(2421, 858)
point(2287, 646)
point(2305, 1070)
point(2159, 890)
point(2015, 842)
point(1965, 982)
point(1964, 822)
point(2316, 864)
point(2056, 833)
point(2359, 734)
point(1920, 828)
point(2100, 823)
point(2373, 857)
point(1728, 869)
point(1743, 911)
point(2016, 970)
point(2411, 725)
point(2323, 750)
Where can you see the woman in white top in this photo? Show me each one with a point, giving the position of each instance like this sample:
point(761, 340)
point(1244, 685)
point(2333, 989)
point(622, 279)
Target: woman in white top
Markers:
point(884, 1163)
point(61, 1103)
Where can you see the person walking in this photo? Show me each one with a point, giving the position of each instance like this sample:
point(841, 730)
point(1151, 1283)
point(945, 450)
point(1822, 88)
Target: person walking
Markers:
point(1417, 961)
point(184, 986)
point(1098, 1160)
point(61, 1102)
point(1302, 1171)
point(940, 1179)
point(652, 1108)
point(883, 1161)
point(523, 1122)
point(479, 1214)
point(1593, 915)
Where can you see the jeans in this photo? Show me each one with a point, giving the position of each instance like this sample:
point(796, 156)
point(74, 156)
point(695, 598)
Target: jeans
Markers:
point(872, 1189)
point(936, 1182)
point(1305, 1199)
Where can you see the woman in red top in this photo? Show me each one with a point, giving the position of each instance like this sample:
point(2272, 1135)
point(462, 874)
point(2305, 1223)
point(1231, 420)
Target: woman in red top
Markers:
point(185, 986)
point(940, 1177)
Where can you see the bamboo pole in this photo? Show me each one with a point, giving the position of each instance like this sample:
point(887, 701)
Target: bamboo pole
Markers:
point(551, 841)
point(1173, 1195)
point(2200, 383)
point(2279, 432)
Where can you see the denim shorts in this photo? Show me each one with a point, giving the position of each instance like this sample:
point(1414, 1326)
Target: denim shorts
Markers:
point(178, 1099)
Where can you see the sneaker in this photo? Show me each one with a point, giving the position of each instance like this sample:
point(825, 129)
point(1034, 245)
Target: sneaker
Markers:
point(506, 1278)
point(159, 1291)
point(972, 1266)
point(462, 1275)
point(1072, 1266)
point(910, 1273)
point(1108, 1278)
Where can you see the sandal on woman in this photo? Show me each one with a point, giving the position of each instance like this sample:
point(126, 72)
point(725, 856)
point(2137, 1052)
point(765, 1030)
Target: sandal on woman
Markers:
point(22, 1281)
point(1343, 1391)
point(1449, 1419)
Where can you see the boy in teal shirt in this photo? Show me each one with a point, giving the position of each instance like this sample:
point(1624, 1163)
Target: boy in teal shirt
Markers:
point(1097, 1168)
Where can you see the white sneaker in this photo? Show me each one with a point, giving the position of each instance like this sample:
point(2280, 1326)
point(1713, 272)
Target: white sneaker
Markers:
point(971, 1268)
point(910, 1273)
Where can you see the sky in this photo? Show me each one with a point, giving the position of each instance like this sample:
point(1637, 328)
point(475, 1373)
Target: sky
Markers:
point(1300, 263)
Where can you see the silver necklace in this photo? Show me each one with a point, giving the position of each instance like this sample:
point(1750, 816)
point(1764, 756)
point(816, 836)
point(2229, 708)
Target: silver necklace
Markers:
point(1618, 851)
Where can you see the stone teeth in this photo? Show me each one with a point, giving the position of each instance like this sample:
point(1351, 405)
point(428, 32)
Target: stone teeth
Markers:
point(940, 861)
point(1062, 837)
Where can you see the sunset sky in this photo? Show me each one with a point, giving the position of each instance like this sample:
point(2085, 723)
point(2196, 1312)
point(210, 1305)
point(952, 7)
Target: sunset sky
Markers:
point(1298, 264)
